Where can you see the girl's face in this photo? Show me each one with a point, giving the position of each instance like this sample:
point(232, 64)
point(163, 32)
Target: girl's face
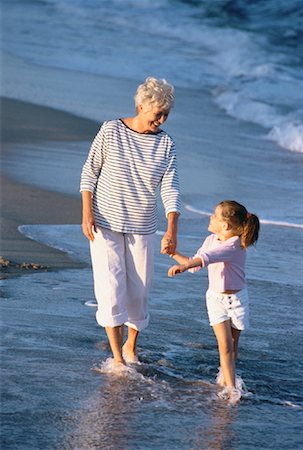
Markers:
point(217, 224)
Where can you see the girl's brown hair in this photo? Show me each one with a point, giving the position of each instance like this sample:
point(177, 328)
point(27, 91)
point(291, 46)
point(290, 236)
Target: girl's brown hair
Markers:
point(247, 225)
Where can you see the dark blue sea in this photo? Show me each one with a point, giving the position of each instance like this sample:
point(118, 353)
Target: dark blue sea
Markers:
point(247, 54)
point(238, 127)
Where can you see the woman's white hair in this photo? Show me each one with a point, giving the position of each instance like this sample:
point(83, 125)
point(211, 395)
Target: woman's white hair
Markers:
point(154, 92)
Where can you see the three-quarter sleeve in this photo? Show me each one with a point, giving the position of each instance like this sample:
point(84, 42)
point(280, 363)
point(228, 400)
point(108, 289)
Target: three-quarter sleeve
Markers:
point(222, 253)
point(198, 254)
point(93, 164)
point(169, 189)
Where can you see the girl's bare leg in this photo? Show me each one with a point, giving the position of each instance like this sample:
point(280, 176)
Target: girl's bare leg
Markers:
point(224, 337)
point(236, 335)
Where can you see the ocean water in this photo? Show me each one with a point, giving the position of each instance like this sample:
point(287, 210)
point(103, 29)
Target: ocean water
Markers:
point(237, 124)
point(248, 55)
point(59, 392)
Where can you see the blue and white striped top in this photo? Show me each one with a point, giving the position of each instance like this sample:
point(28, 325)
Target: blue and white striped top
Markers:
point(123, 170)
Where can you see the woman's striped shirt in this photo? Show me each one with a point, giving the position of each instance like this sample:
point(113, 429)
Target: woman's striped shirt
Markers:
point(123, 170)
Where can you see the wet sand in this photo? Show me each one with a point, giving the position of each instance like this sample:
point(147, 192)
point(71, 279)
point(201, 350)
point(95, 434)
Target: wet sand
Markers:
point(22, 204)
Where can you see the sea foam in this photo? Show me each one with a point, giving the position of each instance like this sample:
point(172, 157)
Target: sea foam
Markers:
point(278, 223)
point(254, 72)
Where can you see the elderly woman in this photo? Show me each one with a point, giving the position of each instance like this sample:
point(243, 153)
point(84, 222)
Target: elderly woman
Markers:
point(128, 160)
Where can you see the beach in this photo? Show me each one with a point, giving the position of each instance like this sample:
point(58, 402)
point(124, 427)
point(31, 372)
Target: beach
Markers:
point(69, 401)
point(57, 389)
point(22, 204)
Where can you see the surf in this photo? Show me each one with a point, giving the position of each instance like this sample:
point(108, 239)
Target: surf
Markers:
point(277, 223)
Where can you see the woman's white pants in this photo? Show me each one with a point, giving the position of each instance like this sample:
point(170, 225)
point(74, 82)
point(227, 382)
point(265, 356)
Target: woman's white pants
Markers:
point(123, 268)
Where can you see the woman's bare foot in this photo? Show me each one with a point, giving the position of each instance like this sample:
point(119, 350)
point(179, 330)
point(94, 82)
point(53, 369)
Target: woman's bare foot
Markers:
point(119, 361)
point(129, 354)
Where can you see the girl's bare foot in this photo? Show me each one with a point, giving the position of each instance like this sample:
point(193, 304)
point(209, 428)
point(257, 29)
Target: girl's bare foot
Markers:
point(220, 378)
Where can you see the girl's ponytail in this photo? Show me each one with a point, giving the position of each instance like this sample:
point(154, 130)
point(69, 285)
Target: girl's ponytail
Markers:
point(251, 229)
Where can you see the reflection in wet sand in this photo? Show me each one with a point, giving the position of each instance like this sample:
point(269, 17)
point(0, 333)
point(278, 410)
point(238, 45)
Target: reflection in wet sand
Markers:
point(220, 433)
point(105, 422)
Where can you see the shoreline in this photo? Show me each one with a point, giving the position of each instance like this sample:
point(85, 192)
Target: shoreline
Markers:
point(22, 204)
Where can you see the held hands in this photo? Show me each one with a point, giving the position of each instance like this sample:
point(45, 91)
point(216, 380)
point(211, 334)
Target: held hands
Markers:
point(169, 247)
point(168, 244)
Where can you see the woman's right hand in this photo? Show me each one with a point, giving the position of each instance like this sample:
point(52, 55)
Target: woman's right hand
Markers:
point(89, 225)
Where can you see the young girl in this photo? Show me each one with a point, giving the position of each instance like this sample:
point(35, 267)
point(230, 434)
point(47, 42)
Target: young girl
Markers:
point(224, 253)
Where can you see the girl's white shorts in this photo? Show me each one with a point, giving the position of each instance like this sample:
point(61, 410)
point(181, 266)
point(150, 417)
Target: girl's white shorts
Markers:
point(222, 307)
point(123, 268)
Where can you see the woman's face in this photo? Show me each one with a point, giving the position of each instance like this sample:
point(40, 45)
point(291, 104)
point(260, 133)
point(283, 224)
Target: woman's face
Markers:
point(152, 117)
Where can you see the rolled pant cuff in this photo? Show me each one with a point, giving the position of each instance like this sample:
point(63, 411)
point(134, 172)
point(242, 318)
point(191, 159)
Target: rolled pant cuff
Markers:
point(138, 325)
point(113, 321)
